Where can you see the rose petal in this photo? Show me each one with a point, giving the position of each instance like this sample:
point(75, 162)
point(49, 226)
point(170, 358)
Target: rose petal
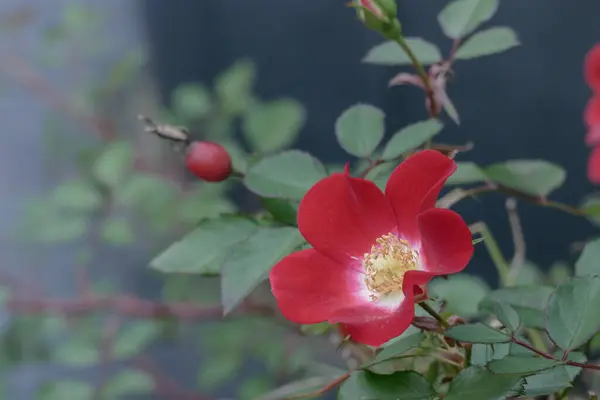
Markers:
point(342, 216)
point(594, 166)
point(377, 332)
point(591, 114)
point(414, 187)
point(592, 138)
point(592, 67)
point(310, 287)
point(446, 241)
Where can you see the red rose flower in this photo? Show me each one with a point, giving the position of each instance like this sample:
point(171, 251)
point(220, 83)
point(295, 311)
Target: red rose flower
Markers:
point(372, 250)
point(591, 114)
point(592, 68)
point(594, 166)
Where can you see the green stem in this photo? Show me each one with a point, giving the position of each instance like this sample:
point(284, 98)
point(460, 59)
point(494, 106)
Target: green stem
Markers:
point(494, 250)
point(429, 310)
point(420, 71)
point(468, 352)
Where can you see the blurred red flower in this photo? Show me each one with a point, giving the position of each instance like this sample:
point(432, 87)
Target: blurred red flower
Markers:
point(372, 250)
point(592, 68)
point(594, 165)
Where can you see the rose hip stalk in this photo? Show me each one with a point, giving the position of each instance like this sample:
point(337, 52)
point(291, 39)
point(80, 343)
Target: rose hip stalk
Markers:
point(372, 250)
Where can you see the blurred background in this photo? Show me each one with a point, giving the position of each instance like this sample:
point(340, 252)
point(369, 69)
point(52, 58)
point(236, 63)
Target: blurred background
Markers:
point(88, 198)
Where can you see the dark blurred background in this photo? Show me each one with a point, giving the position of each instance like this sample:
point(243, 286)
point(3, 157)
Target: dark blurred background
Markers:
point(525, 103)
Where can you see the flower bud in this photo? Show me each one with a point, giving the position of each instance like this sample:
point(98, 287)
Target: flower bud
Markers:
point(208, 161)
point(379, 15)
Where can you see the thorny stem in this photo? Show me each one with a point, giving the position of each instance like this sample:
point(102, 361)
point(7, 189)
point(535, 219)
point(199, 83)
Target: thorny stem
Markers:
point(429, 310)
point(434, 110)
point(550, 357)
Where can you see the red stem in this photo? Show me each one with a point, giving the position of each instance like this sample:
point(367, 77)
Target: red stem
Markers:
point(550, 357)
point(123, 305)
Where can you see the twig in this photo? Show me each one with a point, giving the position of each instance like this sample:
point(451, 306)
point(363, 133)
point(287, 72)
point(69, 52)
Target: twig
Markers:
point(434, 314)
point(23, 73)
point(372, 164)
point(434, 109)
point(124, 305)
point(550, 357)
point(109, 335)
point(493, 249)
point(518, 260)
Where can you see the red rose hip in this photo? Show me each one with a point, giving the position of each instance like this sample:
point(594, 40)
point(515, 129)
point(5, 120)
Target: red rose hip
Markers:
point(208, 161)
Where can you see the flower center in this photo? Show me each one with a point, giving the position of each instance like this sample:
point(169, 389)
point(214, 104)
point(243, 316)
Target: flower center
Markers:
point(390, 258)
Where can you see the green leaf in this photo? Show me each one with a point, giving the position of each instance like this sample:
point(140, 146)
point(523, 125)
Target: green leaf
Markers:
point(477, 333)
point(66, 390)
point(390, 53)
point(117, 231)
point(451, 110)
point(572, 313)
point(135, 337)
point(398, 346)
point(76, 196)
point(191, 101)
point(219, 370)
point(405, 385)
point(588, 262)
point(303, 387)
point(77, 352)
point(591, 206)
point(411, 137)
point(316, 329)
point(204, 250)
point(554, 379)
point(528, 301)
point(466, 173)
point(286, 175)
point(461, 17)
point(477, 383)
point(521, 365)
point(359, 129)
point(239, 158)
point(485, 43)
point(281, 210)
point(249, 264)
point(114, 163)
point(508, 316)
point(145, 192)
point(233, 86)
point(460, 292)
point(559, 273)
point(61, 229)
point(275, 125)
point(530, 274)
point(481, 354)
point(253, 389)
point(533, 177)
point(129, 382)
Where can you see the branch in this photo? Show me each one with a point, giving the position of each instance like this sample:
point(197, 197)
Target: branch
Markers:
point(124, 305)
point(518, 260)
point(24, 74)
point(550, 357)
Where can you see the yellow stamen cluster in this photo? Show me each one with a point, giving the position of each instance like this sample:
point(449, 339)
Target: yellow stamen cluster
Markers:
point(390, 258)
